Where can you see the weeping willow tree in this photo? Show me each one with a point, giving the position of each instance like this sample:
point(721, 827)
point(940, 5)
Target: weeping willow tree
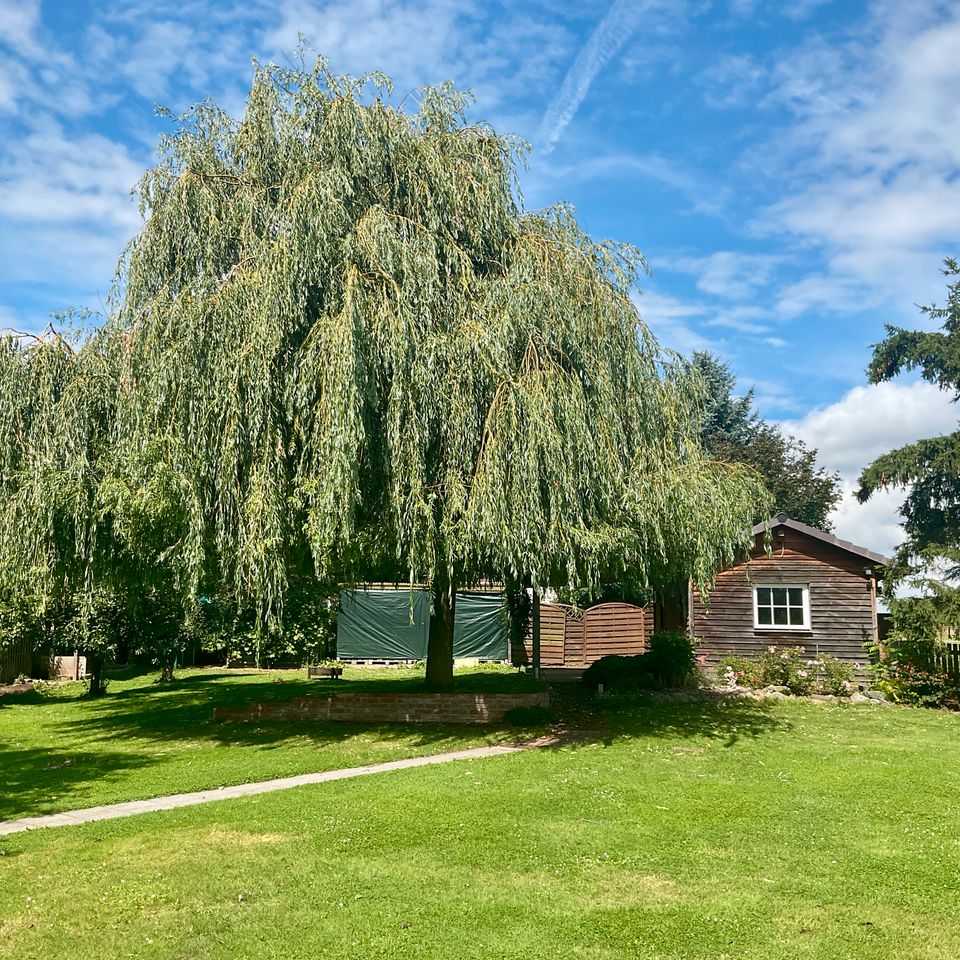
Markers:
point(340, 345)
point(81, 555)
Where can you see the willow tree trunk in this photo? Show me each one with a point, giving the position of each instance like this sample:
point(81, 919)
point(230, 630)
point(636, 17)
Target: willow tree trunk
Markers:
point(95, 667)
point(440, 643)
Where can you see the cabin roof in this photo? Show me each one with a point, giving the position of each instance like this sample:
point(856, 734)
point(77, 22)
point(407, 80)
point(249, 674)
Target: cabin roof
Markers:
point(782, 520)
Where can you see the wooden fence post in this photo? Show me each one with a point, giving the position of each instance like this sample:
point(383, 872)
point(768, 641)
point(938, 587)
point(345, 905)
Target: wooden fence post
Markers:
point(536, 633)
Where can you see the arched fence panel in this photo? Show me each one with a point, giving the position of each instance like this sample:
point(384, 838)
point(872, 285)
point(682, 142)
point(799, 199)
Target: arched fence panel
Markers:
point(614, 628)
point(570, 639)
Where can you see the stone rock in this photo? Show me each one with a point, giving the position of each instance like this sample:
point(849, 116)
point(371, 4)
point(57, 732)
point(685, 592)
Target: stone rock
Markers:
point(822, 697)
point(776, 688)
point(875, 694)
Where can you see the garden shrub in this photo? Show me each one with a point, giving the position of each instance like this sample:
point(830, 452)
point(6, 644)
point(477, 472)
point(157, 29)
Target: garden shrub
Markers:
point(736, 670)
point(834, 676)
point(535, 716)
point(789, 667)
point(915, 670)
point(671, 659)
point(670, 662)
point(916, 684)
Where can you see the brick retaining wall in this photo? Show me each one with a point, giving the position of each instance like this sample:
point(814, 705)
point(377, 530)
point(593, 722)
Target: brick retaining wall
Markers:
point(390, 707)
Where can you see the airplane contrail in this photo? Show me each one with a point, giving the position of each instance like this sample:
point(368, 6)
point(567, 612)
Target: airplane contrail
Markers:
point(606, 41)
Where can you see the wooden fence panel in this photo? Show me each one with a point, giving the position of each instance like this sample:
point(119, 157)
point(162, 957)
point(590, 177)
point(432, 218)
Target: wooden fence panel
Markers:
point(575, 642)
point(553, 631)
point(614, 628)
point(948, 660)
point(571, 640)
point(15, 660)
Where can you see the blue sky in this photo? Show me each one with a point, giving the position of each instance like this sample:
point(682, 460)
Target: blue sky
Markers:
point(791, 170)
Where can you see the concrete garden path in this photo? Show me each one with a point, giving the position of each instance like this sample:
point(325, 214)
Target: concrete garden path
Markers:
point(131, 808)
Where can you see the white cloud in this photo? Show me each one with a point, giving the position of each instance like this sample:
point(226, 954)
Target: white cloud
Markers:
point(417, 44)
point(871, 420)
point(66, 214)
point(743, 319)
point(19, 20)
point(732, 81)
point(874, 524)
point(669, 320)
point(548, 177)
point(872, 156)
point(775, 396)
point(867, 422)
point(50, 176)
point(730, 274)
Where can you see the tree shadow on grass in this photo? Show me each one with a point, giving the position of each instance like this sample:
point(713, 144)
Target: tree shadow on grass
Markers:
point(41, 780)
point(106, 739)
point(183, 711)
point(727, 719)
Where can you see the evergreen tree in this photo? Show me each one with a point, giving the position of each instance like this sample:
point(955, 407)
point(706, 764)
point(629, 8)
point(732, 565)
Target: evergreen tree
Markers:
point(928, 470)
point(732, 431)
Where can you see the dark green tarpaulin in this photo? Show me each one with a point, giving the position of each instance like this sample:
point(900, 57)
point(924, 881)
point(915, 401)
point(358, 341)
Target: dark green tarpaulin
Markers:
point(375, 625)
point(481, 627)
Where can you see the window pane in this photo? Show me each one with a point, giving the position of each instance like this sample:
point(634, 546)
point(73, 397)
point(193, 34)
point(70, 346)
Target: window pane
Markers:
point(796, 596)
point(763, 615)
point(780, 615)
point(796, 616)
point(763, 595)
point(779, 596)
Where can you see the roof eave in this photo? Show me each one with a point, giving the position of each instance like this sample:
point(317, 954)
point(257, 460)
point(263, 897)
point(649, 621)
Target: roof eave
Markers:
point(782, 520)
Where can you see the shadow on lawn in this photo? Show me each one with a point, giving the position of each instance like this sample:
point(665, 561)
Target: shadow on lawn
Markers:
point(178, 715)
point(39, 779)
point(183, 711)
point(729, 719)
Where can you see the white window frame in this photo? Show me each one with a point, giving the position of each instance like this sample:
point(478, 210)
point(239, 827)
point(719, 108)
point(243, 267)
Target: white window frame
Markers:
point(782, 627)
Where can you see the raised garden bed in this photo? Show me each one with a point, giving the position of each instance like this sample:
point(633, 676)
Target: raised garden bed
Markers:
point(390, 707)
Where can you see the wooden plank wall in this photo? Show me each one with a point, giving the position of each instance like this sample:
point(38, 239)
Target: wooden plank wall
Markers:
point(842, 610)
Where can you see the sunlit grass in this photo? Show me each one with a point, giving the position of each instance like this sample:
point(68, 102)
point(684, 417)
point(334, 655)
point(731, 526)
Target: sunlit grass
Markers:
point(730, 830)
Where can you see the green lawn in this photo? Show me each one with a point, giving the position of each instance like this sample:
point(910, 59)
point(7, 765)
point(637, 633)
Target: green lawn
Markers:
point(61, 751)
point(732, 830)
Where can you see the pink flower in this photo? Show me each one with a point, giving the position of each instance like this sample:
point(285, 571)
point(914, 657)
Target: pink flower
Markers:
point(801, 673)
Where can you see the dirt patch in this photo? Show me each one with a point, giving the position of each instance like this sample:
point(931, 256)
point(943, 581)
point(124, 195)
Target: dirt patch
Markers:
point(633, 890)
point(240, 838)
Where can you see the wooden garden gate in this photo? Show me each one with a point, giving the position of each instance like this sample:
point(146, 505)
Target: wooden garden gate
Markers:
point(572, 639)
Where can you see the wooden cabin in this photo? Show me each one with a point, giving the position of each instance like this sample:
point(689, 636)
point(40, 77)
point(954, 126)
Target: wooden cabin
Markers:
point(810, 590)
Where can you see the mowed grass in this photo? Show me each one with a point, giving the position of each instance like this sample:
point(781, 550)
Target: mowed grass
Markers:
point(729, 830)
point(61, 751)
